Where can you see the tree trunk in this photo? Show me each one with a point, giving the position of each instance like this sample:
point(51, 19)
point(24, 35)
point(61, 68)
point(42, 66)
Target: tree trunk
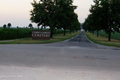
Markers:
point(93, 32)
point(55, 31)
point(64, 32)
point(42, 28)
point(51, 35)
point(38, 27)
point(97, 33)
point(70, 31)
point(73, 31)
point(109, 35)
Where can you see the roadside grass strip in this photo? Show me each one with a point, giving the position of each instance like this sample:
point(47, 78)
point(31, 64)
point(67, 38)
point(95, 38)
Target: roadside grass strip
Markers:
point(103, 40)
point(114, 35)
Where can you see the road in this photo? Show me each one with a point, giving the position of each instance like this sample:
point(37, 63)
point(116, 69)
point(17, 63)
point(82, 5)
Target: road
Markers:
point(77, 41)
point(74, 59)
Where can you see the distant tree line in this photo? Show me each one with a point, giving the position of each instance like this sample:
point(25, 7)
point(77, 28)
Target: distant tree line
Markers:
point(57, 14)
point(105, 15)
point(9, 25)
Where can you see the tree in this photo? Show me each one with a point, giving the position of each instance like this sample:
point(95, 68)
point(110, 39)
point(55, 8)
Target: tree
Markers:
point(76, 24)
point(96, 15)
point(84, 26)
point(9, 25)
point(43, 13)
point(17, 26)
point(30, 25)
point(65, 14)
point(112, 14)
point(4, 26)
point(90, 23)
point(53, 13)
point(105, 15)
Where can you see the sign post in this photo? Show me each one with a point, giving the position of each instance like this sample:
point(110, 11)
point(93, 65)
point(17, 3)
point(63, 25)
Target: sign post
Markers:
point(40, 35)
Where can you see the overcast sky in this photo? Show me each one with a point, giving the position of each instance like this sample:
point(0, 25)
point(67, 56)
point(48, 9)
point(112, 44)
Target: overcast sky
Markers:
point(17, 12)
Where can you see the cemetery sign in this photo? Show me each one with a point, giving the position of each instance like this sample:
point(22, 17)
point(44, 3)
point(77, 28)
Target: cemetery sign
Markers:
point(40, 35)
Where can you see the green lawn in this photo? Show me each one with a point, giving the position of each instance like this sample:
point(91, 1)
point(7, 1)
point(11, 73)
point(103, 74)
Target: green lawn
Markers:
point(56, 38)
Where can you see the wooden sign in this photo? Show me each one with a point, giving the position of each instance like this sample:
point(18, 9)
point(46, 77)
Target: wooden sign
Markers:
point(40, 35)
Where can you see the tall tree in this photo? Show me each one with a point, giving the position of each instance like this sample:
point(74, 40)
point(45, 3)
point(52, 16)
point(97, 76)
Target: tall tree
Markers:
point(96, 15)
point(30, 25)
point(4, 26)
point(112, 13)
point(65, 13)
point(90, 23)
point(53, 13)
point(43, 13)
point(76, 23)
point(9, 25)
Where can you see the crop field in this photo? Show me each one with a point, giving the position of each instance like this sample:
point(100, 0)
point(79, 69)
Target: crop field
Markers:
point(17, 33)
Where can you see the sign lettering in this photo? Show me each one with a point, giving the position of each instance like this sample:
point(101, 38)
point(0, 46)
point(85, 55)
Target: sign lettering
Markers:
point(40, 35)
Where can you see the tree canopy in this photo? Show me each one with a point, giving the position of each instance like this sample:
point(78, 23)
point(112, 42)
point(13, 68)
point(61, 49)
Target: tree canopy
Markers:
point(30, 25)
point(53, 13)
point(4, 26)
point(9, 25)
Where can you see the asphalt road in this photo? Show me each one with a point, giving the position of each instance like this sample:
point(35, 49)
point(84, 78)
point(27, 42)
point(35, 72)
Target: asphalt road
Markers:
point(74, 59)
point(81, 41)
point(78, 41)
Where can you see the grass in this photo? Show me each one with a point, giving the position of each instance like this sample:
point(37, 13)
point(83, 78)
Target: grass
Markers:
point(56, 38)
point(103, 40)
point(115, 35)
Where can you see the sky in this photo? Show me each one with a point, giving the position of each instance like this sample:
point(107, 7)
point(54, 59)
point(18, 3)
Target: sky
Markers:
point(17, 12)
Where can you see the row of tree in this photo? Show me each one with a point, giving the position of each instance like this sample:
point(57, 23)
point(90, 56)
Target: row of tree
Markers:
point(105, 15)
point(9, 25)
point(56, 14)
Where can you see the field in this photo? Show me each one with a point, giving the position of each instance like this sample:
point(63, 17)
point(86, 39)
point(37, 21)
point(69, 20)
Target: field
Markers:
point(11, 33)
point(17, 33)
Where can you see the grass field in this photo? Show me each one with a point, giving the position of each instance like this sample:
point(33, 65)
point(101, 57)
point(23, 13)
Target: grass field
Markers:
point(104, 40)
point(56, 38)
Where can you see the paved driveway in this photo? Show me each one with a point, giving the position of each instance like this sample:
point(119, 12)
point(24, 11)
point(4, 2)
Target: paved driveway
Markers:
point(74, 59)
